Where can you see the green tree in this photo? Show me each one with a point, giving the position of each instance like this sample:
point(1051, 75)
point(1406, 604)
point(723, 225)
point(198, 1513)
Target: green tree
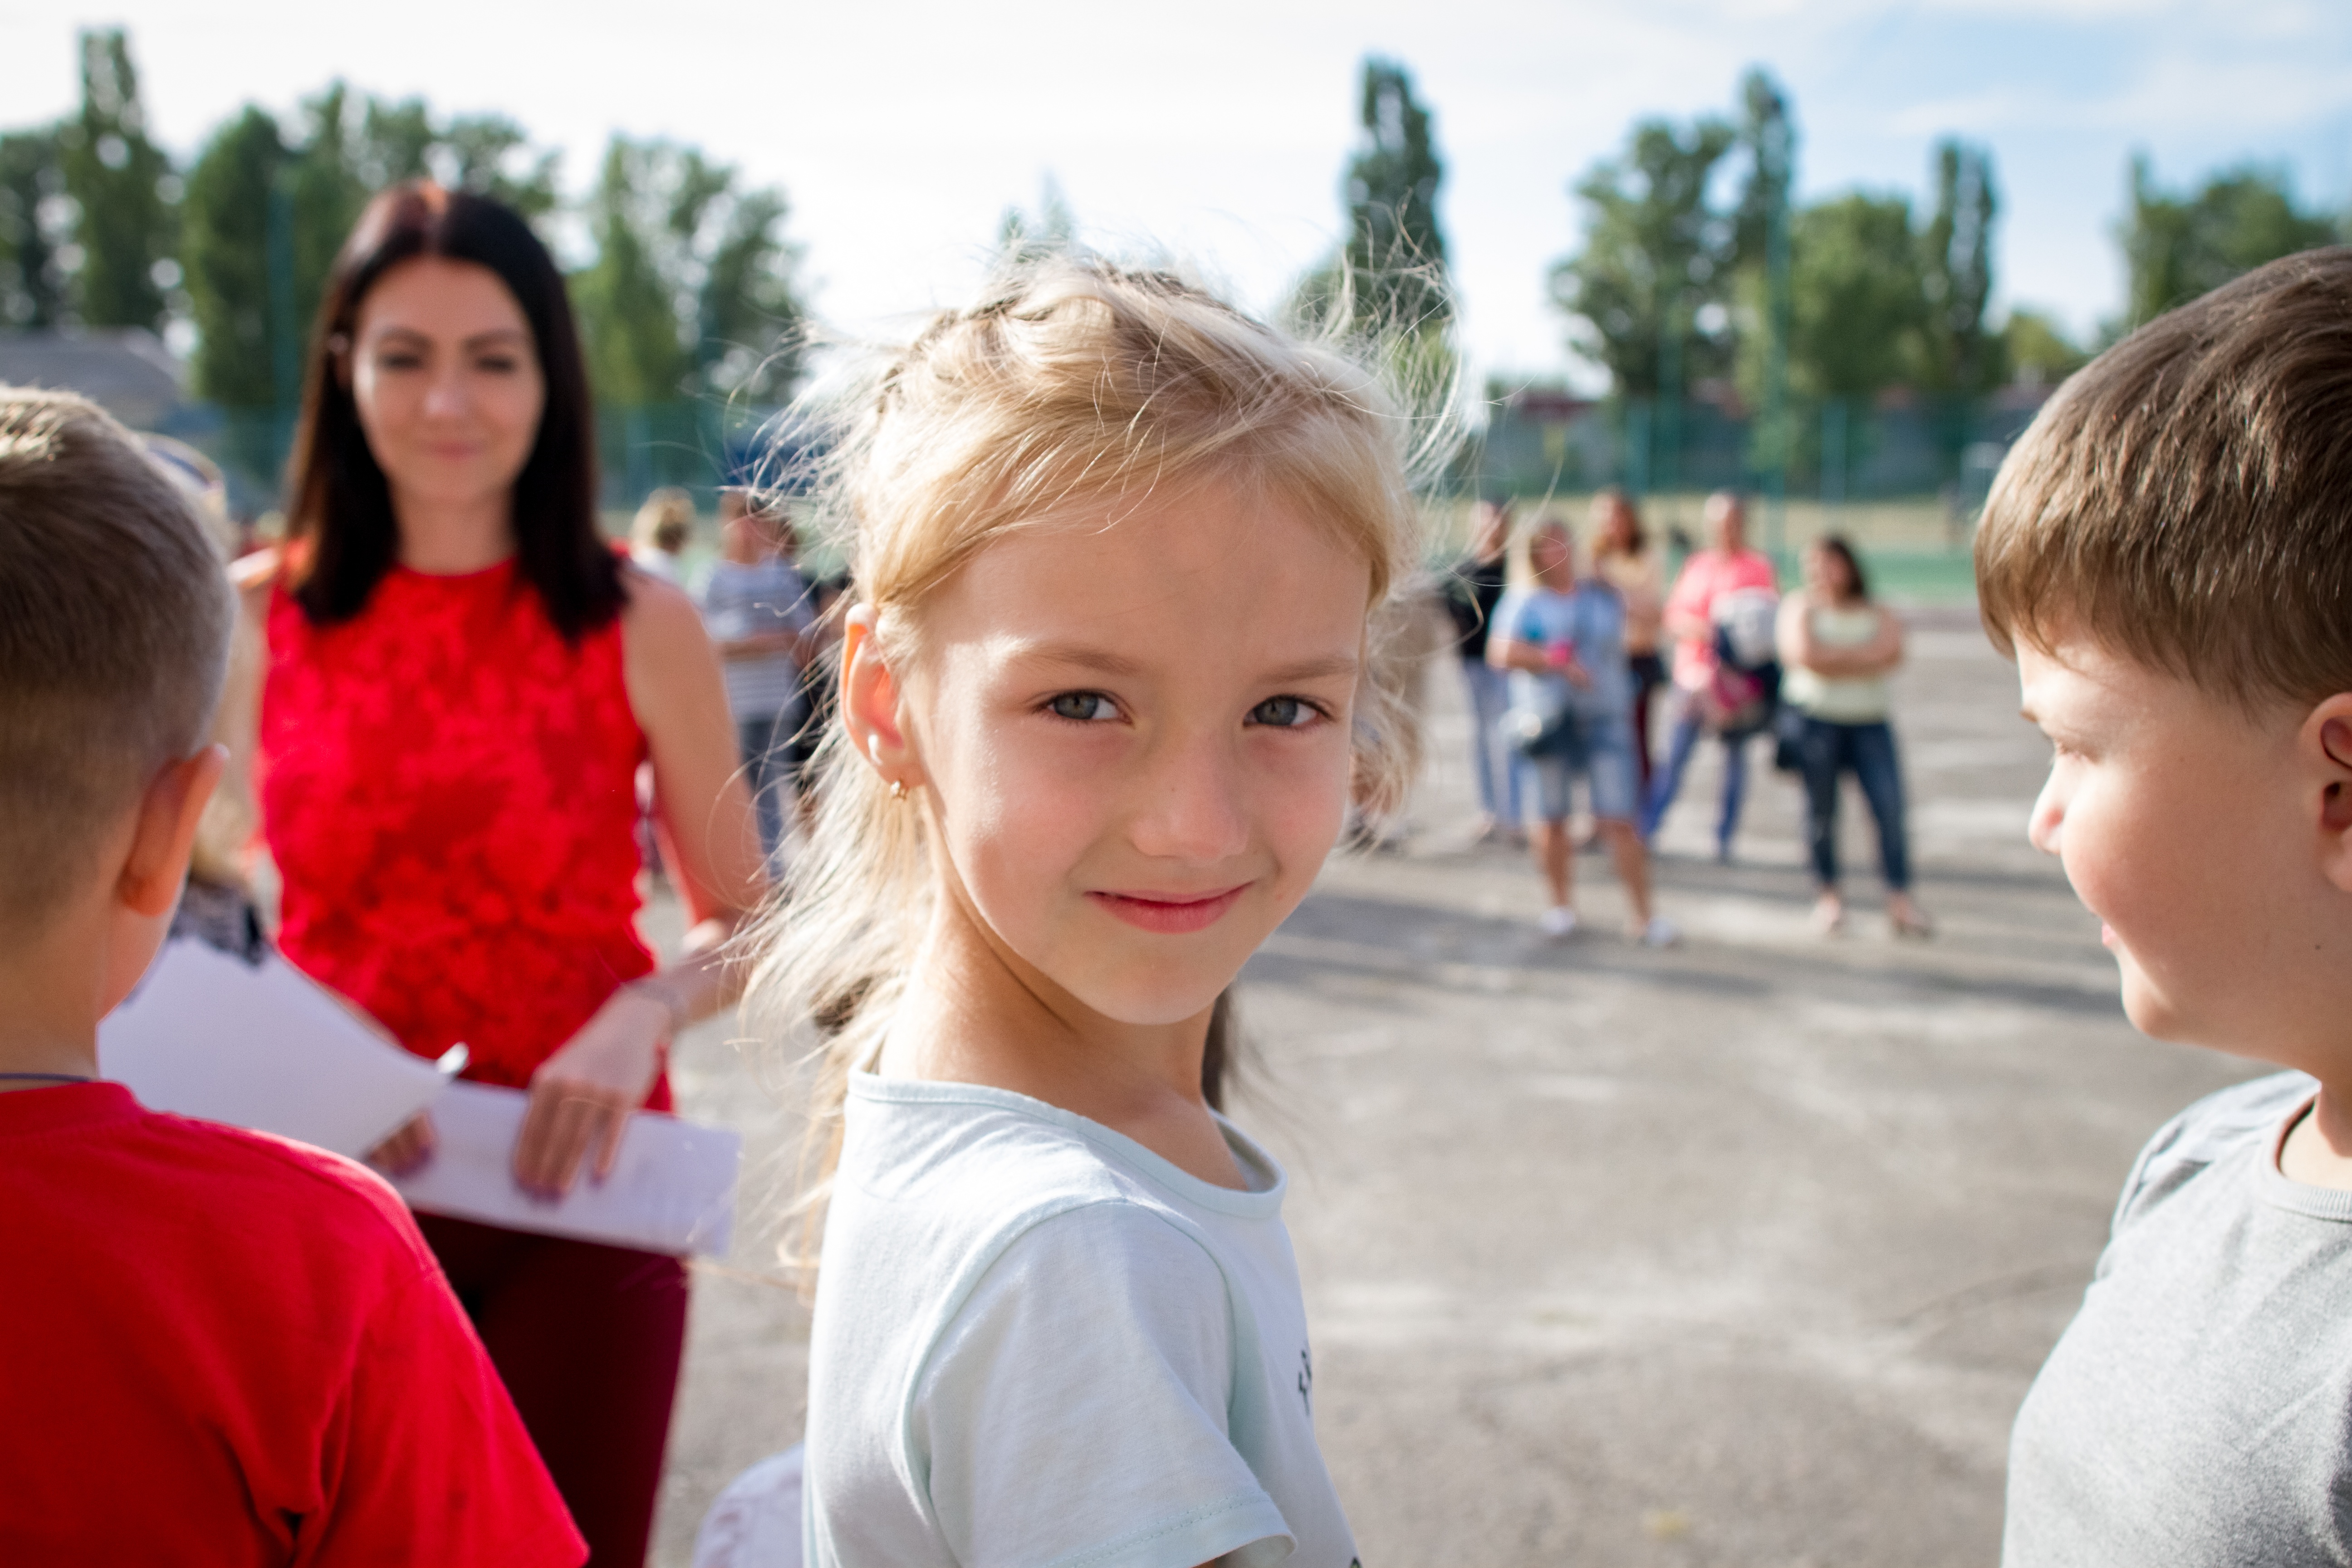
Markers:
point(224, 224)
point(124, 190)
point(1960, 354)
point(2176, 248)
point(1395, 249)
point(1857, 307)
point(1768, 141)
point(2038, 351)
point(1656, 254)
point(32, 186)
point(692, 288)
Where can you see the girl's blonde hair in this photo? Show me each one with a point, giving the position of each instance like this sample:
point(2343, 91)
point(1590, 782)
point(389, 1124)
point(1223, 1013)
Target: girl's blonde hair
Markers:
point(1073, 384)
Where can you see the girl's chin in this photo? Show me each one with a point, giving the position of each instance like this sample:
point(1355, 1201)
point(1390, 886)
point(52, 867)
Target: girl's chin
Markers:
point(1150, 1006)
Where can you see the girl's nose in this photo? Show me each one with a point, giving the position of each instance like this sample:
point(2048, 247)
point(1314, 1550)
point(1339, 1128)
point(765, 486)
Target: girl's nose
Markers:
point(1192, 808)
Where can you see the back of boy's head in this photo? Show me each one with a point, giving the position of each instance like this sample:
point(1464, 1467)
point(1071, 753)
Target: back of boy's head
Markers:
point(115, 616)
point(2186, 500)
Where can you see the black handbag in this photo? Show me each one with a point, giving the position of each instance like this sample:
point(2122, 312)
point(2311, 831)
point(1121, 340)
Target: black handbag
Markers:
point(1788, 739)
point(1536, 736)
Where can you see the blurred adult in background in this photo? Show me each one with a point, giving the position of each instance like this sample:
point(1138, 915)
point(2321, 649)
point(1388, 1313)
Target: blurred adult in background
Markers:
point(758, 610)
point(459, 679)
point(1472, 590)
point(1837, 648)
point(829, 599)
point(1622, 557)
point(1563, 639)
point(1693, 618)
point(658, 536)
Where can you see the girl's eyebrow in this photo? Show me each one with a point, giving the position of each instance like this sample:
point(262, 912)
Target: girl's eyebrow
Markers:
point(1103, 661)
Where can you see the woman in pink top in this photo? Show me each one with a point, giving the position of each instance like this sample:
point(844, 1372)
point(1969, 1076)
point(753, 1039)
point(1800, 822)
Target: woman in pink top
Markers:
point(1727, 567)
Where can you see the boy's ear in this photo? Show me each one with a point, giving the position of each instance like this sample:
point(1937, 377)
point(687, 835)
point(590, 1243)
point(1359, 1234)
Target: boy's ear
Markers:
point(166, 831)
point(2328, 741)
point(870, 699)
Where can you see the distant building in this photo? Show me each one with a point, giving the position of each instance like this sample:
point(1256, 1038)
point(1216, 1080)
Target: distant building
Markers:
point(126, 371)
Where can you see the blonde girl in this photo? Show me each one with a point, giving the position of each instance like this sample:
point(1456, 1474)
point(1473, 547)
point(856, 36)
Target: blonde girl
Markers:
point(1104, 699)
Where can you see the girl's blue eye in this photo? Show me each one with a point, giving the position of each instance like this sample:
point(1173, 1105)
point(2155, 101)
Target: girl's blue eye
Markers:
point(1284, 712)
point(1082, 707)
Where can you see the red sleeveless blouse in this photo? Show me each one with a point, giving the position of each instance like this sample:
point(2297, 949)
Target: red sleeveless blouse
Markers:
point(450, 791)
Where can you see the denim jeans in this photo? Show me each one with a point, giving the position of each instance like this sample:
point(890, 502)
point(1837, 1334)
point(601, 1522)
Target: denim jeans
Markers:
point(766, 743)
point(1669, 778)
point(1867, 752)
point(1490, 753)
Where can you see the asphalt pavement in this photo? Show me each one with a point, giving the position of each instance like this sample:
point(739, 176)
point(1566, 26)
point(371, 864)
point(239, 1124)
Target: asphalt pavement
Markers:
point(1739, 1252)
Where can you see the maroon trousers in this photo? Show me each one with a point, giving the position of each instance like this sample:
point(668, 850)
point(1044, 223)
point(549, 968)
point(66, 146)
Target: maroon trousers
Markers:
point(588, 1339)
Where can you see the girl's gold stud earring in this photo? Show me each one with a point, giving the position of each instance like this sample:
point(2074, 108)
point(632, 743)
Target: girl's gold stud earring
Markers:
point(897, 789)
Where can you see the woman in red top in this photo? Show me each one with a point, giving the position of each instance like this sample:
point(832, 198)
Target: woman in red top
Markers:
point(459, 682)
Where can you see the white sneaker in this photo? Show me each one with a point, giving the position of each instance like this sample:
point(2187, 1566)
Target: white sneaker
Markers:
point(1557, 920)
point(1660, 933)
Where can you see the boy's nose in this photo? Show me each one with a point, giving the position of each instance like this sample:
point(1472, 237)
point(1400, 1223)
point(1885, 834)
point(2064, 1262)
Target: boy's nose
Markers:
point(2049, 820)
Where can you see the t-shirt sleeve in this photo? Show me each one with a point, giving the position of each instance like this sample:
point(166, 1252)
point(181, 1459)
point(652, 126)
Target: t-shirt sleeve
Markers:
point(1074, 1410)
point(1515, 620)
point(428, 1460)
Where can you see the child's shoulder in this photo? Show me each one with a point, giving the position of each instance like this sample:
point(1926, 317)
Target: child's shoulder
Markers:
point(989, 1150)
point(270, 1190)
point(2208, 1132)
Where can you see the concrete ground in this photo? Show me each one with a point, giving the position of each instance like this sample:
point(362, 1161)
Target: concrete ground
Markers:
point(1742, 1253)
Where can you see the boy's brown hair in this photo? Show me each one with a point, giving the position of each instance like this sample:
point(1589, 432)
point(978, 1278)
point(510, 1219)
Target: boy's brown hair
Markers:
point(2186, 499)
point(115, 616)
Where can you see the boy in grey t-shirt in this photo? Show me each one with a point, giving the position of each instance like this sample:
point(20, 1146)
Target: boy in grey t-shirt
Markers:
point(2168, 553)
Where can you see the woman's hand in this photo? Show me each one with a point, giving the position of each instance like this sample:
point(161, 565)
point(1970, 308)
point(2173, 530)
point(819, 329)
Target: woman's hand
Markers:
point(581, 1097)
point(409, 1146)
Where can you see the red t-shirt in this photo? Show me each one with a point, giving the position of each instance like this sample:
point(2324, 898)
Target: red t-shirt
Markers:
point(219, 1347)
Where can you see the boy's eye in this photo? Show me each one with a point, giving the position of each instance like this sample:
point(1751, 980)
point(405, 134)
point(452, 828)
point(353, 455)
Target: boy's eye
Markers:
point(1284, 712)
point(1082, 707)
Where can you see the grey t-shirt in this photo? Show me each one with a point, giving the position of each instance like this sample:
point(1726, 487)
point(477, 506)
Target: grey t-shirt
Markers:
point(2198, 1409)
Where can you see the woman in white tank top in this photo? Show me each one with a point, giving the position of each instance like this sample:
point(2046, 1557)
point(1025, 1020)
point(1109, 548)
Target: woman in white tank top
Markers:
point(1837, 648)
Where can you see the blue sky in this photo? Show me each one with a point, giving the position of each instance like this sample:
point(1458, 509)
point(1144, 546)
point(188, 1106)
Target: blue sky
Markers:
point(1217, 129)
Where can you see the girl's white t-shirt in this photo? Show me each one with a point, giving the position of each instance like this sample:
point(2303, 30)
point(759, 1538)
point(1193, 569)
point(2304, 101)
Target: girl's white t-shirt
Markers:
point(1037, 1344)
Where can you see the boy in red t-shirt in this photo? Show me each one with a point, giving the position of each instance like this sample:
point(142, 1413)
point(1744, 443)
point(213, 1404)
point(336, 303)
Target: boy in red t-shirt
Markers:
point(219, 1347)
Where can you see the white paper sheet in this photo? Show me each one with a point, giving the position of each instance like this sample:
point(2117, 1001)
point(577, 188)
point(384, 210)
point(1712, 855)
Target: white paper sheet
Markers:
point(262, 1046)
point(672, 1187)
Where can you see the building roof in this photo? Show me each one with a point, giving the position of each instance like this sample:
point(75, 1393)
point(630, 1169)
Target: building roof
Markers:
point(126, 371)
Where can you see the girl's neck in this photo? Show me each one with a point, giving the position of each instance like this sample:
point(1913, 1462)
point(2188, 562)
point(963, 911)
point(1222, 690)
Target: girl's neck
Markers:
point(975, 1013)
point(449, 539)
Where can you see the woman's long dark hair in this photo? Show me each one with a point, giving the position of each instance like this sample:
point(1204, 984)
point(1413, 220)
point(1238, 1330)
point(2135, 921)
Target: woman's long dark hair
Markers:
point(341, 534)
point(1837, 544)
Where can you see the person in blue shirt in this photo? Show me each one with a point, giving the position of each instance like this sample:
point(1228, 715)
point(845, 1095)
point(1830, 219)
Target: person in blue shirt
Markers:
point(1563, 641)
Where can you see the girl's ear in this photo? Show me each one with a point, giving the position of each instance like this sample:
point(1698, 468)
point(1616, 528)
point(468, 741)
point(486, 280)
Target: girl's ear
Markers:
point(2328, 735)
point(871, 701)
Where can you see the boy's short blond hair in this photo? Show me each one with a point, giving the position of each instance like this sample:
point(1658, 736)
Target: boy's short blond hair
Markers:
point(2186, 500)
point(115, 616)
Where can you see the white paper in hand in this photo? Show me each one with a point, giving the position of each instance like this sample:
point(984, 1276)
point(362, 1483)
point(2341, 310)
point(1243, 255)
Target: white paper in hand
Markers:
point(262, 1046)
point(672, 1187)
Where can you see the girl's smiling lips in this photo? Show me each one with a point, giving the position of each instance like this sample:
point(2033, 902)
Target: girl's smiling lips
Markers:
point(1170, 913)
